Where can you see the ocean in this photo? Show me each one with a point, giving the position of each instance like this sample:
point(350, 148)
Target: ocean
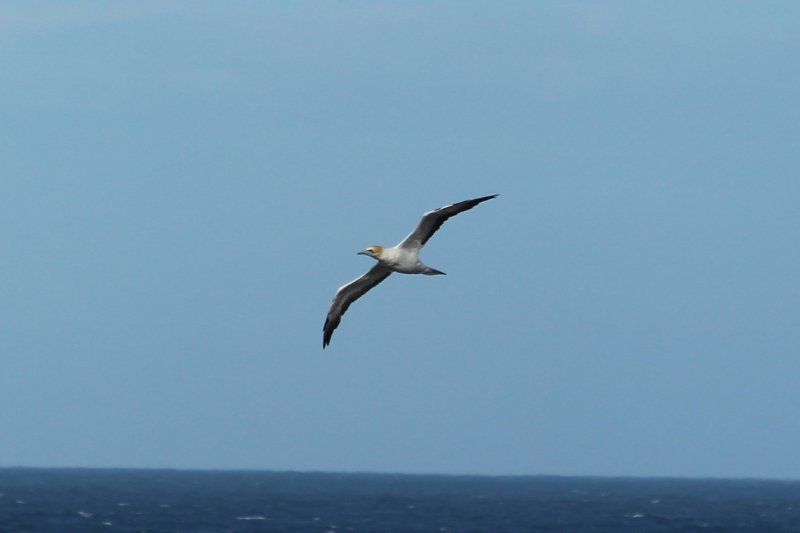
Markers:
point(154, 501)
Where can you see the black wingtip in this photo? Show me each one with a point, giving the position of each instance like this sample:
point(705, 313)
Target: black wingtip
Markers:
point(482, 199)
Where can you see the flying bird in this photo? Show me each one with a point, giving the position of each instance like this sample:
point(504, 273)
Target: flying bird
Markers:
point(403, 258)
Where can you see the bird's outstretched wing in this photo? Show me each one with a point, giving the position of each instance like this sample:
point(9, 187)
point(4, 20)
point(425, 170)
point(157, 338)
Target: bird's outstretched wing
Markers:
point(348, 294)
point(433, 220)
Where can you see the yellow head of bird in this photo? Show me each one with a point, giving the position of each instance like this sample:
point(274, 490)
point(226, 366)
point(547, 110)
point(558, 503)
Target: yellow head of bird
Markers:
point(372, 251)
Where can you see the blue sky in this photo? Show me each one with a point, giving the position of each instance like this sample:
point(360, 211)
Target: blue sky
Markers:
point(184, 185)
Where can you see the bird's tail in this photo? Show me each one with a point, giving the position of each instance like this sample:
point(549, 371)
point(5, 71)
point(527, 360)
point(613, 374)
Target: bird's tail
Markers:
point(433, 272)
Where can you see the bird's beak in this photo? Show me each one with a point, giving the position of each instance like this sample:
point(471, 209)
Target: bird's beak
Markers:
point(362, 252)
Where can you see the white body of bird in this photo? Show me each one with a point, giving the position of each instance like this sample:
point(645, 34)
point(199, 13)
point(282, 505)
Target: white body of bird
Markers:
point(399, 259)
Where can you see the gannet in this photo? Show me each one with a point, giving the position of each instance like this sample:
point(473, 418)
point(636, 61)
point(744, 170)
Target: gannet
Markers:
point(403, 258)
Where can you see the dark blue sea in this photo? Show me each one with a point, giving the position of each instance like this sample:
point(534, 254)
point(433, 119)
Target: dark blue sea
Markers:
point(108, 500)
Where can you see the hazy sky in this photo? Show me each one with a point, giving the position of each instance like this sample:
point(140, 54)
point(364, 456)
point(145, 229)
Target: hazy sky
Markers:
point(184, 185)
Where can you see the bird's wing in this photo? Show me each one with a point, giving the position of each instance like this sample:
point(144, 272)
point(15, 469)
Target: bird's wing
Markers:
point(433, 220)
point(348, 294)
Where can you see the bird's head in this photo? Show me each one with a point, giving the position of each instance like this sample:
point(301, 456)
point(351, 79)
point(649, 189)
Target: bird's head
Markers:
point(372, 251)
